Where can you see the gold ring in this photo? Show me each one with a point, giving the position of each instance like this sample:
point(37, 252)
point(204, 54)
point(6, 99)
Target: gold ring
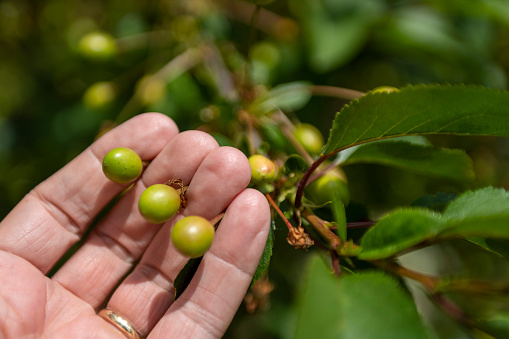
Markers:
point(120, 323)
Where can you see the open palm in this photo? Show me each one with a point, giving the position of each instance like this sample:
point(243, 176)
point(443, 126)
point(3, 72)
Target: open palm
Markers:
point(127, 264)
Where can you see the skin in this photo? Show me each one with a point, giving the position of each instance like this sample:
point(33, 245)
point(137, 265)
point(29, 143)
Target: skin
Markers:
point(56, 213)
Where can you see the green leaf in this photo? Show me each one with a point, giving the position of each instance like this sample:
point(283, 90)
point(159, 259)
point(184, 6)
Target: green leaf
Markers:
point(435, 162)
point(367, 306)
point(481, 243)
point(398, 231)
point(426, 109)
point(291, 96)
point(496, 325)
point(483, 213)
point(263, 265)
point(338, 210)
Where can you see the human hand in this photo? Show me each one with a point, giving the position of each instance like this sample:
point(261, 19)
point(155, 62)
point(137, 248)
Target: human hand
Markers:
point(57, 213)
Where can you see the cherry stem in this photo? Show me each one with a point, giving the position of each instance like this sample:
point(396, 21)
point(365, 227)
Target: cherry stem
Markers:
point(215, 221)
point(287, 128)
point(278, 210)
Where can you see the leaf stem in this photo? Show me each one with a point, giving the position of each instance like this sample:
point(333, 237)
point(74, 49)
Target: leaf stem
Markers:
point(336, 92)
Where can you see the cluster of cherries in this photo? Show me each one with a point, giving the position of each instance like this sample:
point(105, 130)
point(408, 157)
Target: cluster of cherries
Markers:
point(192, 235)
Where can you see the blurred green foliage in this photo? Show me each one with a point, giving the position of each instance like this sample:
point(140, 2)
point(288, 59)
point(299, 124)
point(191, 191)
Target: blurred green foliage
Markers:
point(354, 44)
point(46, 119)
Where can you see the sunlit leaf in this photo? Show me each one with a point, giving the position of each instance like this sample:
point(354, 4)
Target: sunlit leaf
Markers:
point(427, 109)
point(483, 213)
point(287, 97)
point(399, 231)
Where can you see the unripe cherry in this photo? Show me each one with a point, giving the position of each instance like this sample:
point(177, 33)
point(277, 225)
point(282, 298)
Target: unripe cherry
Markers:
point(99, 95)
point(98, 46)
point(122, 165)
point(263, 170)
point(159, 203)
point(322, 189)
point(192, 236)
point(309, 137)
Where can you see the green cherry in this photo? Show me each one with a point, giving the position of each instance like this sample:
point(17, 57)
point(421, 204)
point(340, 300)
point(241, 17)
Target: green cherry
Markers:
point(100, 95)
point(97, 46)
point(309, 137)
point(263, 170)
point(159, 203)
point(322, 189)
point(192, 236)
point(122, 165)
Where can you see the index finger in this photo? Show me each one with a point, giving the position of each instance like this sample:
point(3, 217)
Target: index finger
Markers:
point(55, 214)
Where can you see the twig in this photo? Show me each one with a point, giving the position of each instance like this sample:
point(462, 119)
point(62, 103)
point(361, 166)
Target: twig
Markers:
point(321, 228)
point(222, 76)
point(303, 182)
point(427, 281)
